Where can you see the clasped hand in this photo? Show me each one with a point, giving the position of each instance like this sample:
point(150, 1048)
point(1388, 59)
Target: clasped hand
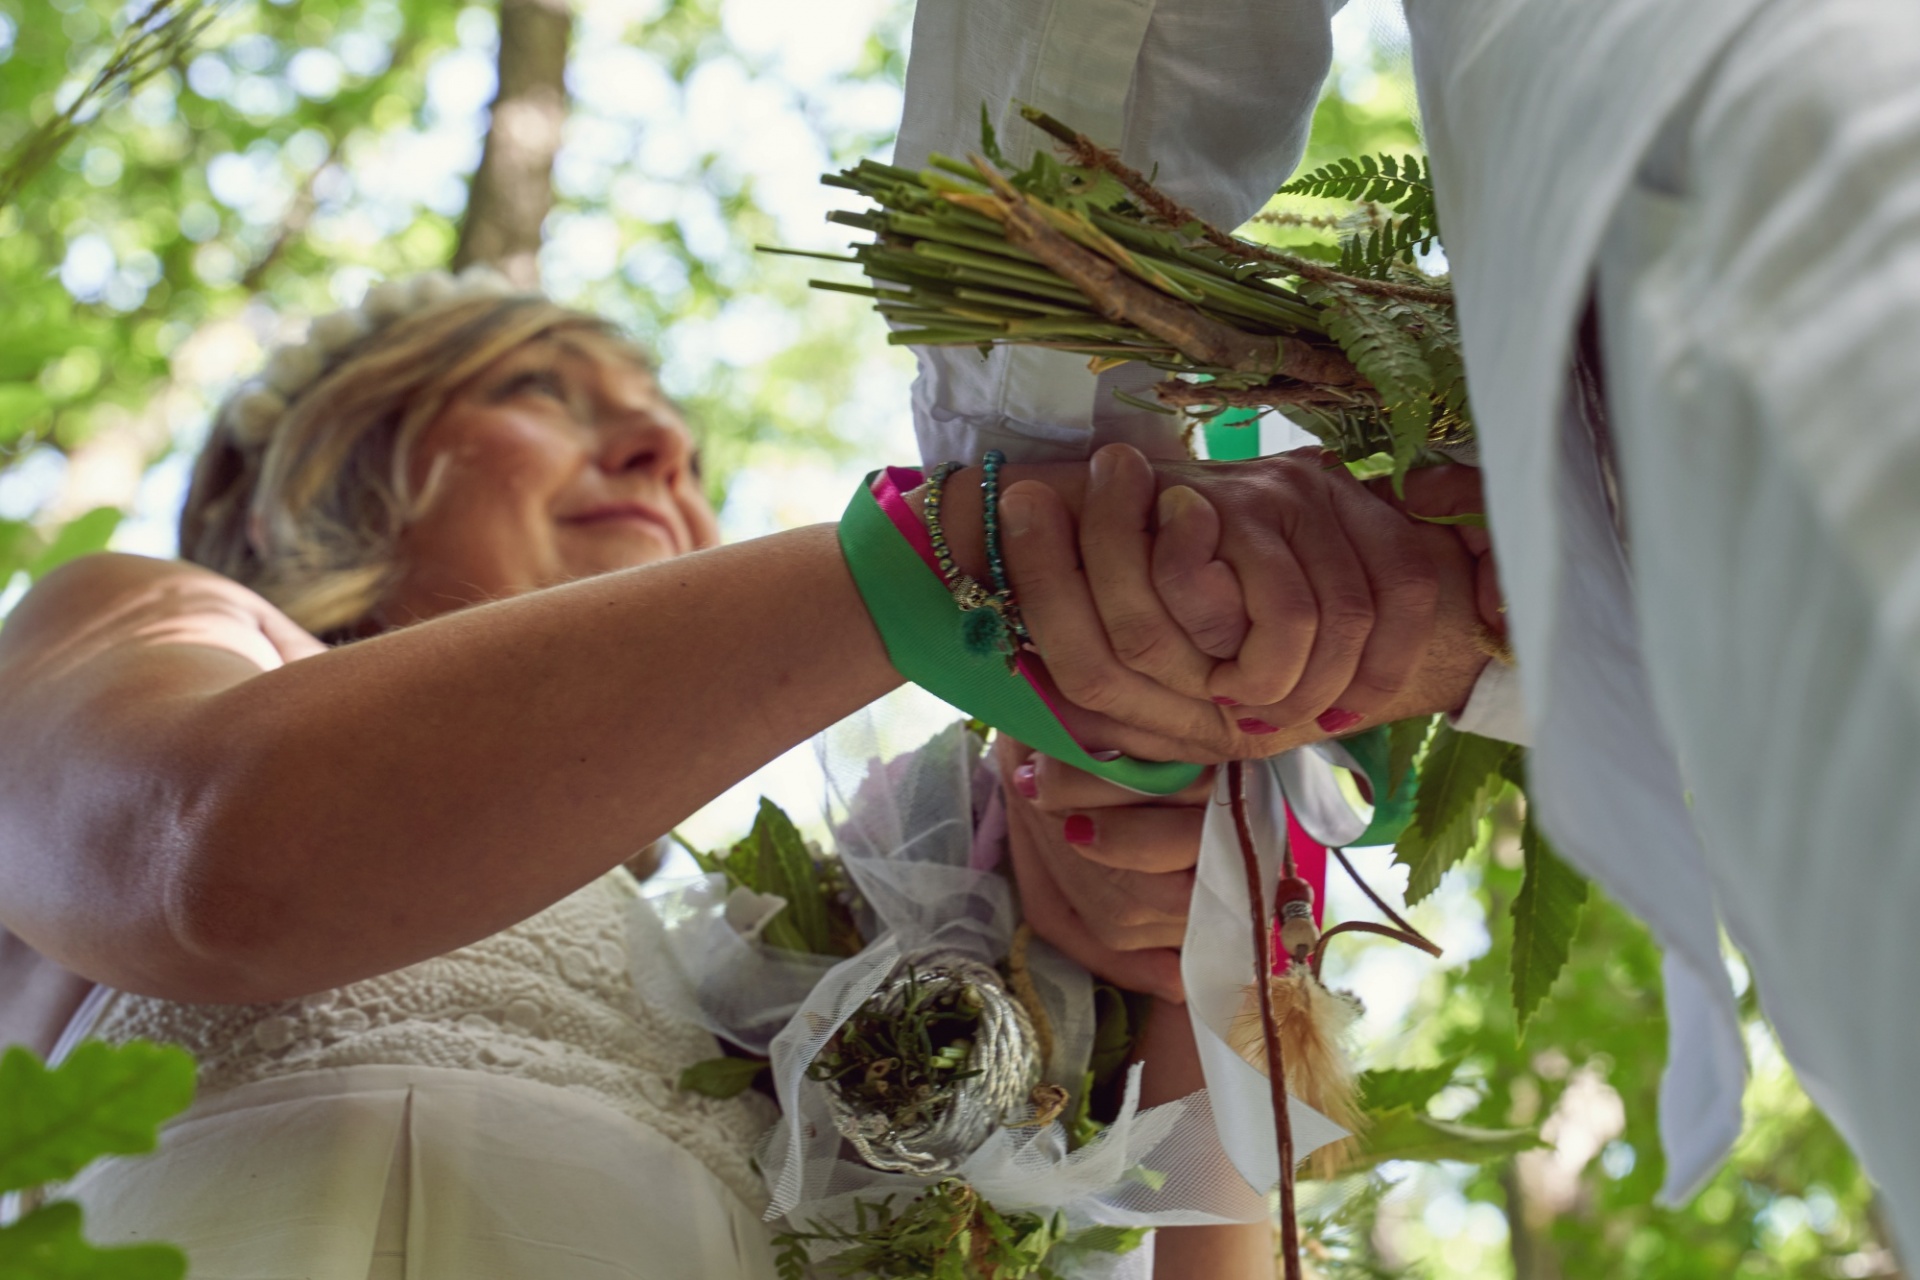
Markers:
point(1212, 611)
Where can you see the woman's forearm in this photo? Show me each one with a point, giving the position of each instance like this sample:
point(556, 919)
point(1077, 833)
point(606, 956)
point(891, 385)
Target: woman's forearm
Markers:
point(1244, 1251)
point(390, 800)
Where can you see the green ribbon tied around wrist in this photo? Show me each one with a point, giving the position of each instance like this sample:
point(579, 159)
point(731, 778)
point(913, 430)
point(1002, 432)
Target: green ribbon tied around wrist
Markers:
point(924, 632)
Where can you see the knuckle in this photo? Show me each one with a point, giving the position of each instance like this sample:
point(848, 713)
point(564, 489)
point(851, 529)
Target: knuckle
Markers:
point(1096, 690)
point(1347, 614)
point(1140, 642)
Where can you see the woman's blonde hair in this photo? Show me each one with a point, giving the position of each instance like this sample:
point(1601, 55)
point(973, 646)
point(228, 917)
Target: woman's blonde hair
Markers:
point(307, 507)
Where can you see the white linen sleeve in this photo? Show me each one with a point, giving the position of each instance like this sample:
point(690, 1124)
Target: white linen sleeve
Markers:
point(1497, 708)
point(1218, 94)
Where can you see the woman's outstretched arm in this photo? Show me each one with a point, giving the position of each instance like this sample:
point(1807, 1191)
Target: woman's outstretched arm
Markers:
point(185, 811)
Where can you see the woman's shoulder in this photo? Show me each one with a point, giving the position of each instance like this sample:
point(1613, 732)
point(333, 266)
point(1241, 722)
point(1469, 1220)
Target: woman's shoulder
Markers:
point(104, 600)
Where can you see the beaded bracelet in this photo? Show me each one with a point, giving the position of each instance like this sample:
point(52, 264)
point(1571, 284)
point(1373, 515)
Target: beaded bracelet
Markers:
point(988, 628)
point(924, 635)
point(990, 518)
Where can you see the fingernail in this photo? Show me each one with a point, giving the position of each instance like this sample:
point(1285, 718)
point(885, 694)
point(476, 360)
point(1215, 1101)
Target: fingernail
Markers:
point(1337, 720)
point(1105, 757)
point(1025, 783)
point(1251, 725)
point(1102, 467)
point(1173, 503)
point(1078, 829)
point(1016, 513)
point(1226, 702)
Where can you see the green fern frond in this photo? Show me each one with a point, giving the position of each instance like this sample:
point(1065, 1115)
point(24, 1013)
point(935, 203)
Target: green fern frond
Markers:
point(1374, 253)
point(1404, 182)
point(1375, 334)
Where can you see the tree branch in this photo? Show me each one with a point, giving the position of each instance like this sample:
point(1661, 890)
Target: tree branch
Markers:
point(512, 190)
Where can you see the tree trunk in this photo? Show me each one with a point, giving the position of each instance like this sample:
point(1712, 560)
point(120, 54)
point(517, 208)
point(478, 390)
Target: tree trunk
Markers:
point(513, 187)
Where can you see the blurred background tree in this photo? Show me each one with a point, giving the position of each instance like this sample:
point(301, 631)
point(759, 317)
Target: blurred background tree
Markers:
point(278, 157)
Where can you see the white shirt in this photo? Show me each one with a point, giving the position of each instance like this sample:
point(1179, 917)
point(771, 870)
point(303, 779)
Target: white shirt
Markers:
point(1537, 112)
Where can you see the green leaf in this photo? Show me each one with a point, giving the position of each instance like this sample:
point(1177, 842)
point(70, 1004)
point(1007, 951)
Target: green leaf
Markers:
point(1111, 1240)
point(1471, 519)
point(1406, 1134)
point(1389, 1088)
point(722, 1077)
point(786, 868)
point(989, 144)
point(81, 536)
point(1405, 740)
point(1546, 912)
point(1458, 780)
point(103, 1100)
point(47, 1245)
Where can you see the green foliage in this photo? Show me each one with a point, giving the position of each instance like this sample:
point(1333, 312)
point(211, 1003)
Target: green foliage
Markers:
point(1391, 354)
point(1459, 779)
point(1374, 252)
point(47, 1245)
point(83, 535)
point(103, 1100)
point(1406, 739)
point(1404, 182)
point(946, 1233)
point(1407, 1133)
point(1389, 1088)
point(162, 33)
point(722, 1077)
point(775, 859)
point(1546, 913)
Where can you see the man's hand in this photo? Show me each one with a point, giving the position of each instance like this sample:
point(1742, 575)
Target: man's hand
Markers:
point(1105, 875)
point(1332, 608)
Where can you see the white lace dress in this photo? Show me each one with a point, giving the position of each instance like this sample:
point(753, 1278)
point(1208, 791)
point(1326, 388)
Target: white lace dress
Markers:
point(503, 1112)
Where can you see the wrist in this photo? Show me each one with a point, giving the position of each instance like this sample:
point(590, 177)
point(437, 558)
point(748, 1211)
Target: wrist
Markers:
point(962, 509)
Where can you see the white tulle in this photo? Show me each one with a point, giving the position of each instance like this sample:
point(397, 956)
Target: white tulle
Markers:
point(901, 823)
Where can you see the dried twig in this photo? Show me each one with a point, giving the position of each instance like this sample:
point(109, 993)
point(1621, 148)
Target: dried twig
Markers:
point(1125, 300)
point(1091, 155)
point(1184, 395)
point(1269, 1025)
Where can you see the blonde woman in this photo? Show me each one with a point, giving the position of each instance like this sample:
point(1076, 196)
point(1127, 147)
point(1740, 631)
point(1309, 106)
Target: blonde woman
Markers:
point(340, 801)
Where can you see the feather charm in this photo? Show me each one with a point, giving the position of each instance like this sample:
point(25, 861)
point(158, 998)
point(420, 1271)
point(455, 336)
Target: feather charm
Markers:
point(1313, 1023)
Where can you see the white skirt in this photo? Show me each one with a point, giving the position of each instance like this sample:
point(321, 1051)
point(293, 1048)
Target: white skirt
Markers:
point(422, 1173)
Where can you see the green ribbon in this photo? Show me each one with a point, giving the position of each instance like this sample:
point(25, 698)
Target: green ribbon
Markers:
point(1391, 812)
point(923, 631)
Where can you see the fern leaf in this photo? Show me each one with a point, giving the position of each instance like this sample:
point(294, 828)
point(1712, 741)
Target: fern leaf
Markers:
point(1405, 183)
point(1546, 914)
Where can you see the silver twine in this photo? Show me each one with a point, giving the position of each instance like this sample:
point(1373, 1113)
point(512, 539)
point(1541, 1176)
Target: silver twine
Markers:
point(1005, 1053)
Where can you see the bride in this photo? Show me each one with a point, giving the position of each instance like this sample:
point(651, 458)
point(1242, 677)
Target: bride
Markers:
point(341, 800)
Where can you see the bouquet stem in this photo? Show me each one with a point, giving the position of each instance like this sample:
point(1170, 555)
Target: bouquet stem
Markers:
point(1269, 1025)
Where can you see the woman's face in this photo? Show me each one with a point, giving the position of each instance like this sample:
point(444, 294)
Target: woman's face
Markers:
point(561, 460)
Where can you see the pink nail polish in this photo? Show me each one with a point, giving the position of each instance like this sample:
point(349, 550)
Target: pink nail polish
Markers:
point(1025, 782)
point(1105, 757)
point(1337, 720)
point(1078, 829)
point(1226, 702)
point(1251, 725)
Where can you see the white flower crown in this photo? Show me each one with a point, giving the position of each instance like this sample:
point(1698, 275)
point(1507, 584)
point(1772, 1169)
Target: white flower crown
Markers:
point(254, 411)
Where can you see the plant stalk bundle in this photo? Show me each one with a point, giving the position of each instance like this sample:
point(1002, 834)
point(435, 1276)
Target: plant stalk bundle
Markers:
point(1085, 255)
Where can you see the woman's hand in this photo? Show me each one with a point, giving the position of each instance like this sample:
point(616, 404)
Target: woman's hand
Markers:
point(1330, 607)
point(1105, 875)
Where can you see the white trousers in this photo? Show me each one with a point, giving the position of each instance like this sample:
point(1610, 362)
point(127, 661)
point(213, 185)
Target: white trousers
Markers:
point(1760, 297)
